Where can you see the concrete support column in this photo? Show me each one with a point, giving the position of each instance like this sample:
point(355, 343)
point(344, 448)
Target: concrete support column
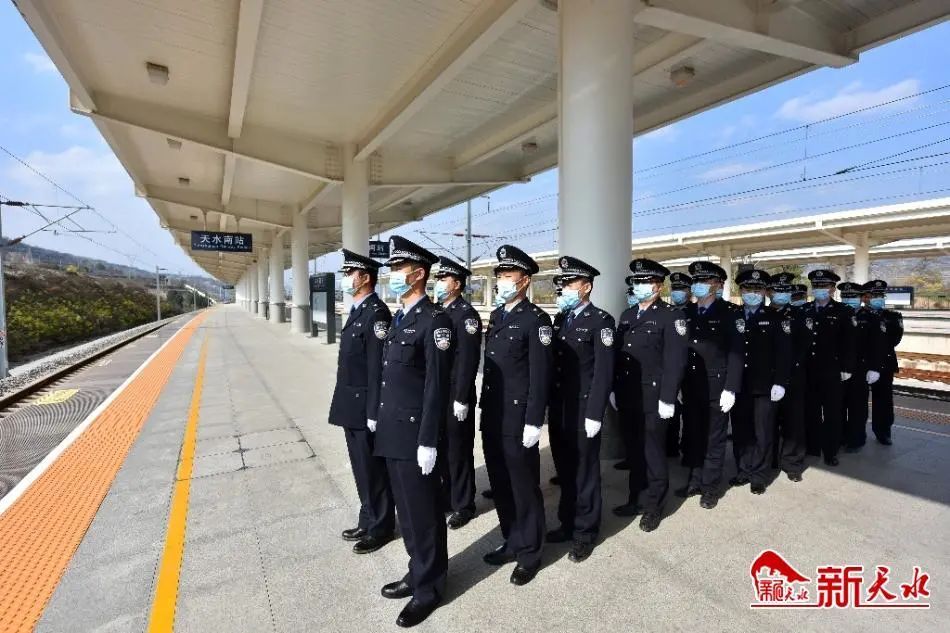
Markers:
point(276, 312)
point(355, 213)
point(299, 248)
point(262, 266)
point(253, 296)
point(725, 261)
point(862, 259)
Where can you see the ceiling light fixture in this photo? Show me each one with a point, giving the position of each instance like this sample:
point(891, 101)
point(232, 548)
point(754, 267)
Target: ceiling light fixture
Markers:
point(157, 73)
point(173, 144)
point(184, 182)
point(682, 76)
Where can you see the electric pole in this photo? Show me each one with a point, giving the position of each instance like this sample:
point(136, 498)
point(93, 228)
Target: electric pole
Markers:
point(4, 367)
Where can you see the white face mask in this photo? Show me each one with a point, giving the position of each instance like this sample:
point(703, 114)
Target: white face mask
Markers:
point(507, 289)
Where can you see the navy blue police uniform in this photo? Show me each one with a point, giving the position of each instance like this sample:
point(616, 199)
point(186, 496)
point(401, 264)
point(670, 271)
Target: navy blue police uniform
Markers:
point(675, 437)
point(414, 392)
point(457, 448)
point(767, 362)
point(791, 410)
point(516, 377)
point(356, 399)
point(651, 357)
point(714, 365)
point(882, 392)
point(583, 377)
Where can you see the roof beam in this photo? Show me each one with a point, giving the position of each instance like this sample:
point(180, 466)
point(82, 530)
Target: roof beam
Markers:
point(782, 31)
point(245, 208)
point(490, 20)
point(902, 21)
point(227, 180)
point(249, 24)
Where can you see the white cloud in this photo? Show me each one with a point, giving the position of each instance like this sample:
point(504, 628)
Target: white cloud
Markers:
point(85, 171)
point(728, 169)
point(667, 133)
point(811, 108)
point(39, 62)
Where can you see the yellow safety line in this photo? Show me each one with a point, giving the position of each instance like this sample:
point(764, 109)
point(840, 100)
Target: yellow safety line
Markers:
point(162, 619)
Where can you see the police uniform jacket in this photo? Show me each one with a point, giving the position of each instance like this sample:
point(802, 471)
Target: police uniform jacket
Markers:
point(831, 348)
point(768, 350)
point(516, 376)
point(467, 330)
point(583, 363)
point(715, 347)
point(359, 365)
point(870, 340)
point(894, 324)
point(651, 356)
point(800, 339)
point(417, 360)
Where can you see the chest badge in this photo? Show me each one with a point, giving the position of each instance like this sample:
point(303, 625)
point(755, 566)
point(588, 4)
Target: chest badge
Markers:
point(740, 326)
point(787, 327)
point(471, 326)
point(607, 336)
point(545, 334)
point(810, 323)
point(680, 325)
point(443, 338)
point(380, 329)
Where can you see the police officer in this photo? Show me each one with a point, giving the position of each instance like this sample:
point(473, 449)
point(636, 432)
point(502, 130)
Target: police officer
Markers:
point(882, 391)
point(713, 377)
point(799, 295)
point(356, 401)
point(515, 383)
point(414, 395)
point(651, 355)
point(680, 297)
point(583, 376)
point(791, 410)
point(830, 363)
point(870, 356)
point(457, 463)
point(765, 376)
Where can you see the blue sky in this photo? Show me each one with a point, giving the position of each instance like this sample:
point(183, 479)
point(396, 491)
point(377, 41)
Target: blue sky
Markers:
point(759, 180)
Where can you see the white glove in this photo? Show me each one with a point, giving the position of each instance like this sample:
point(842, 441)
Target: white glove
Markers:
point(845, 376)
point(425, 457)
point(591, 427)
point(531, 435)
point(613, 401)
point(460, 411)
point(872, 377)
point(371, 425)
point(778, 392)
point(666, 411)
point(726, 400)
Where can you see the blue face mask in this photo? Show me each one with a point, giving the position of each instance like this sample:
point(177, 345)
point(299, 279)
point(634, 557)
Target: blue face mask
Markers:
point(397, 283)
point(821, 294)
point(507, 290)
point(854, 302)
point(798, 303)
point(752, 299)
point(877, 303)
point(678, 297)
point(643, 292)
point(781, 298)
point(441, 290)
point(346, 285)
point(719, 293)
point(498, 300)
point(701, 290)
point(631, 300)
point(568, 299)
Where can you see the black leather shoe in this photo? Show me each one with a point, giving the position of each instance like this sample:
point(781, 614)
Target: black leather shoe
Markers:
point(831, 461)
point(687, 491)
point(650, 521)
point(488, 494)
point(708, 502)
point(622, 465)
point(886, 441)
point(522, 575)
point(555, 480)
point(499, 556)
point(738, 481)
point(560, 535)
point(796, 477)
point(460, 519)
point(354, 534)
point(580, 552)
point(369, 544)
point(758, 489)
point(627, 510)
point(415, 613)
point(396, 590)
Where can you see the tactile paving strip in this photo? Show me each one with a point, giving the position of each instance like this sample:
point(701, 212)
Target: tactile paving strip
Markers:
point(40, 532)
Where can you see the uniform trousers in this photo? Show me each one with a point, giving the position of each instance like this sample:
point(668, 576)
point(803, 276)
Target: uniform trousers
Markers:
point(377, 515)
point(823, 402)
point(855, 410)
point(882, 405)
point(457, 462)
point(753, 432)
point(581, 502)
point(791, 422)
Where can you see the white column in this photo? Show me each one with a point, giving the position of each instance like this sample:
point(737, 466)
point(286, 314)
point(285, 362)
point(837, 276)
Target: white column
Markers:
point(862, 259)
point(595, 94)
point(299, 248)
point(263, 264)
point(252, 288)
point(355, 213)
point(276, 312)
point(725, 262)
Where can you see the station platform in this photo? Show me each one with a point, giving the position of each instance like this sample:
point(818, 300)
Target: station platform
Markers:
point(209, 493)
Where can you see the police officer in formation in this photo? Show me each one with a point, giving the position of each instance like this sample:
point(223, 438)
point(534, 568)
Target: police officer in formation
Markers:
point(457, 448)
point(651, 356)
point(515, 384)
point(414, 398)
point(583, 377)
point(680, 297)
point(765, 375)
point(355, 403)
point(882, 390)
point(713, 377)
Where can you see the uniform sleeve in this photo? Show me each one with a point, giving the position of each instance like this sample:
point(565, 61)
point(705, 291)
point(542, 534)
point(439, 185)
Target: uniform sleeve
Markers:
point(878, 344)
point(675, 347)
point(469, 344)
point(846, 340)
point(784, 350)
point(616, 385)
point(540, 365)
point(374, 359)
point(897, 329)
point(438, 373)
point(735, 356)
point(602, 382)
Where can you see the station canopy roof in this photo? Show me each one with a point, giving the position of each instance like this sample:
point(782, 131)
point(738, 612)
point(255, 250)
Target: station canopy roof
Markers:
point(227, 112)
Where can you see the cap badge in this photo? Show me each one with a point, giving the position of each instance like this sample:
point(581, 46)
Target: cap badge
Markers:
point(755, 274)
point(563, 262)
point(501, 253)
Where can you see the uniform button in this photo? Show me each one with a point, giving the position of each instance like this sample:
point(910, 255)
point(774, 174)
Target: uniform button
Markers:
point(412, 419)
point(747, 364)
point(357, 395)
point(695, 341)
point(384, 383)
point(381, 404)
point(385, 362)
point(493, 353)
point(654, 384)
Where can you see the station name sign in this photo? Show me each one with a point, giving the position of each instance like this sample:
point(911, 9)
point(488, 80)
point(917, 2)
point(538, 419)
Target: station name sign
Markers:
point(217, 241)
point(379, 249)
